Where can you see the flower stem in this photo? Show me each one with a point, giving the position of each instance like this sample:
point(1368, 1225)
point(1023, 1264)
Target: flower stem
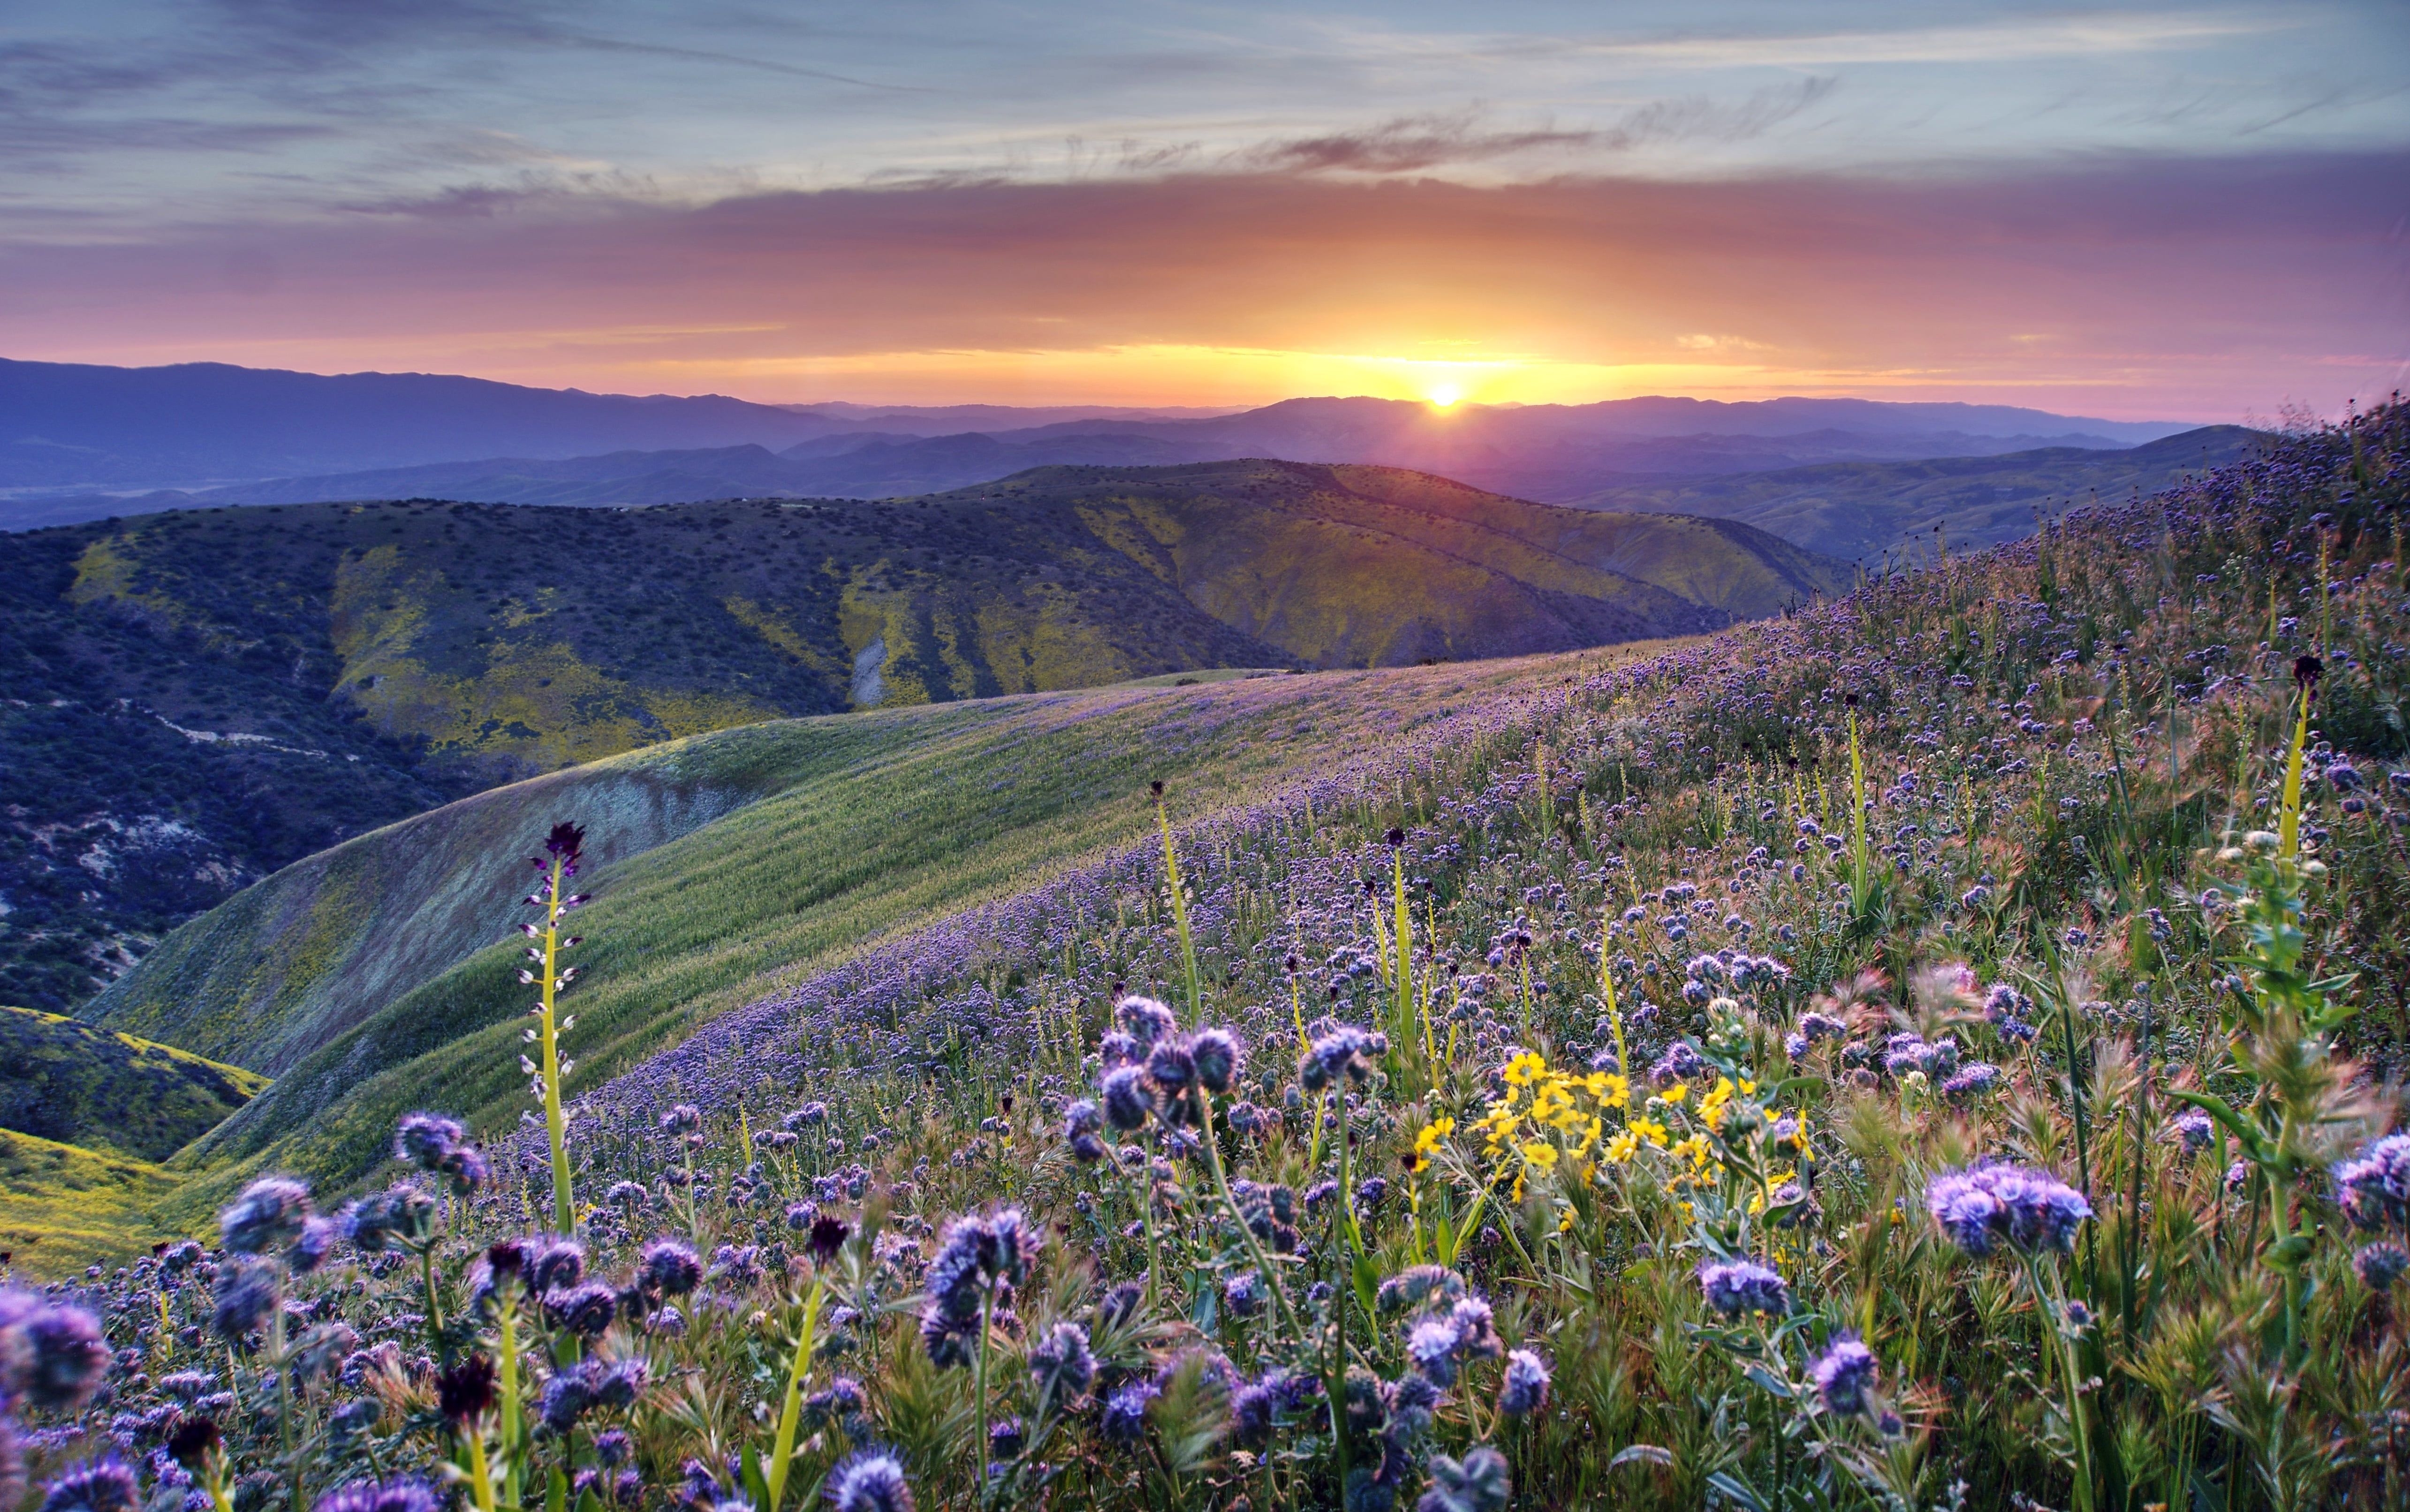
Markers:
point(564, 1217)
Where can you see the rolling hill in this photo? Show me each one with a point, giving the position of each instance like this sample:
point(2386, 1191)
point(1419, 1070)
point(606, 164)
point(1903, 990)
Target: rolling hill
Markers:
point(1859, 510)
point(198, 698)
point(72, 1084)
point(382, 975)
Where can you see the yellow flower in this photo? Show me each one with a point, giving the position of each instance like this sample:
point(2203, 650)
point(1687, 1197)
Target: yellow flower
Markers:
point(1611, 1090)
point(1676, 1092)
point(1591, 1136)
point(1649, 1129)
point(1523, 1067)
point(1541, 1154)
point(1693, 1149)
point(1623, 1148)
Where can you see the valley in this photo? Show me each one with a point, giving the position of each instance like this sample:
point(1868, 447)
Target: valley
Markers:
point(198, 698)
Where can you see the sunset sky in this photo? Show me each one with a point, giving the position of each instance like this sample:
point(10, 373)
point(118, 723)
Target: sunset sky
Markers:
point(2195, 213)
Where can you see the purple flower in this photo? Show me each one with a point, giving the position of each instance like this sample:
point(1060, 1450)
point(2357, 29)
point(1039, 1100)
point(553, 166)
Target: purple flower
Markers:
point(1128, 1099)
point(1843, 1374)
point(1524, 1388)
point(1218, 1054)
point(464, 1169)
point(1061, 1368)
point(1733, 1288)
point(1338, 1053)
point(2032, 1210)
point(1431, 1344)
point(1171, 1063)
point(105, 1485)
point(1478, 1483)
point(1145, 1020)
point(268, 1214)
point(872, 1480)
point(401, 1495)
point(670, 1269)
point(556, 1265)
point(2381, 1264)
point(587, 1311)
point(1973, 1079)
point(59, 1355)
point(244, 1301)
point(424, 1139)
point(2374, 1185)
point(1124, 1416)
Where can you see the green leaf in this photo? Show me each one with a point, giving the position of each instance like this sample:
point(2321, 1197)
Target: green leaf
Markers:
point(1367, 1277)
point(1737, 1492)
point(757, 1488)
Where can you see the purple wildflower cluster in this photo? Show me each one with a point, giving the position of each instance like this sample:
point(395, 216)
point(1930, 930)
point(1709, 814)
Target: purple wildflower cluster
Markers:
point(1984, 1206)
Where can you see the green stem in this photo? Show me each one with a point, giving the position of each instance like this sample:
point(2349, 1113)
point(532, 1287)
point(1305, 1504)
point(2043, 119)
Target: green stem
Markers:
point(481, 1475)
point(2053, 1303)
point(283, 1363)
point(434, 1305)
point(564, 1214)
point(1180, 915)
point(782, 1450)
point(514, 1423)
point(979, 1394)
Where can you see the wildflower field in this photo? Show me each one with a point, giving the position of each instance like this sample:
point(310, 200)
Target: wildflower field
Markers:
point(1940, 1049)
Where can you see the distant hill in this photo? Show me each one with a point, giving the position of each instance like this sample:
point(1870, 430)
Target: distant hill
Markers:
point(1859, 510)
point(76, 1085)
point(84, 442)
point(189, 701)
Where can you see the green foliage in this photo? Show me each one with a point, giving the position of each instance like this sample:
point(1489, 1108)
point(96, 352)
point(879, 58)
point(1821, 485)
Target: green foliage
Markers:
point(793, 846)
point(62, 1207)
point(75, 1084)
point(198, 698)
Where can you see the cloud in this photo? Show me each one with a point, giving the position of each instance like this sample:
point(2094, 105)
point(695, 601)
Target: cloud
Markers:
point(1418, 143)
point(1406, 145)
point(2161, 285)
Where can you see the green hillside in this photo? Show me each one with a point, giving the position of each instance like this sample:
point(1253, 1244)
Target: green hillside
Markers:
point(62, 1207)
point(189, 701)
point(78, 1084)
point(1858, 511)
point(376, 977)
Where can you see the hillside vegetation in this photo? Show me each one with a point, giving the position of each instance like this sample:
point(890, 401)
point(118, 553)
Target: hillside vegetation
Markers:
point(367, 979)
point(75, 1084)
point(1859, 511)
point(198, 698)
point(1939, 1050)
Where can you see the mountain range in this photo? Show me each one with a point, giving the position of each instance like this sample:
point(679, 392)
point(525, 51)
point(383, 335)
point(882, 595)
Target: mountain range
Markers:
point(189, 700)
point(80, 442)
point(1859, 511)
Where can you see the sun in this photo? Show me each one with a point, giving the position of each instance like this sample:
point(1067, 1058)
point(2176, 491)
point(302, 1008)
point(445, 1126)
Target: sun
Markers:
point(1444, 396)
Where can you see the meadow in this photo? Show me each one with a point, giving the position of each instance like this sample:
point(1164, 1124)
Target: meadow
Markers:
point(1936, 1049)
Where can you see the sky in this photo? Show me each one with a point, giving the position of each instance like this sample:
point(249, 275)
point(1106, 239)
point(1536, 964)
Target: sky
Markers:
point(2189, 212)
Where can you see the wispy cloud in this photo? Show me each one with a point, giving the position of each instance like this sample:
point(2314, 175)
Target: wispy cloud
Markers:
point(2149, 279)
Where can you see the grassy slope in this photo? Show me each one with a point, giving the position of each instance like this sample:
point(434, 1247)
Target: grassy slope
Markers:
point(375, 659)
point(1859, 510)
point(947, 807)
point(62, 1207)
point(75, 1083)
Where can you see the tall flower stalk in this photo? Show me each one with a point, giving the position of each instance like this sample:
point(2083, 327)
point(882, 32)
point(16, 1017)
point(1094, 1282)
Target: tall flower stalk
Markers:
point(559, 864)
